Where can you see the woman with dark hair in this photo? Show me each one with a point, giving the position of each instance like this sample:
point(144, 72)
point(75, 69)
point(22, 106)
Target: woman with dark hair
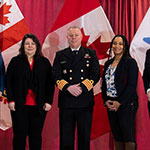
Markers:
point(119, 93)
point(30, 89)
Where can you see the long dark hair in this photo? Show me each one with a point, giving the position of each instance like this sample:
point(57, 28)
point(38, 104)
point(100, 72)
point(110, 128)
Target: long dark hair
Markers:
point(125, 45)
point(35, 39)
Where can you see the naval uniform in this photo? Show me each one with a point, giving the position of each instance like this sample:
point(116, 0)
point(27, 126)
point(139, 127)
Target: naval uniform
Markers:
point(72, 68)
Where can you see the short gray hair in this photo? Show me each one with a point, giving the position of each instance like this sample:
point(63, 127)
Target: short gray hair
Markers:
point(73, 27)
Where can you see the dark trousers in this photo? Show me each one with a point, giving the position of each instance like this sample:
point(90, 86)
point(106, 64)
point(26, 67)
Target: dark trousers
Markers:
point(122, 122)
point(69, 119)
point(27, 122)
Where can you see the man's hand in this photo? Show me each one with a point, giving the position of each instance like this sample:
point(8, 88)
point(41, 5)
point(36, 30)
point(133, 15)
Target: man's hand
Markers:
point(75, 90)
point(11, 106)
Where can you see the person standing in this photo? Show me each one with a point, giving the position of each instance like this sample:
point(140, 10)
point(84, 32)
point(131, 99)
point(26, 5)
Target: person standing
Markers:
point(30, 89)
point(76, 71)
point(119, 93)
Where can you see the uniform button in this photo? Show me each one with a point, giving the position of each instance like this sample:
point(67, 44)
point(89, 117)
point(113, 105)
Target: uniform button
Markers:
point(81, 70)
point(87, 65)
point(87, 61)
point(70, 70)
point(70, 78)
point(82, 78)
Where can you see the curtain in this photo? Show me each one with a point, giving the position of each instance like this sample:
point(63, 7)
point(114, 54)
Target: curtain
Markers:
point(40, 15)
point(125, 16)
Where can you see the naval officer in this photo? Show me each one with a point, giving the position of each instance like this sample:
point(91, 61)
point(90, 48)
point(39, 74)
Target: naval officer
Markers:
point(76, 71)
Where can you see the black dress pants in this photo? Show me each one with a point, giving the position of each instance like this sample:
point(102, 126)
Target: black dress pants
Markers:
point(28, 122)
point(69, 119)
point(122, 122)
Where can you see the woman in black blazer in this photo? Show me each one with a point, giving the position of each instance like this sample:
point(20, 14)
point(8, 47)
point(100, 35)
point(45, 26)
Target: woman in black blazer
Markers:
point(30, 89)
point(119, 93)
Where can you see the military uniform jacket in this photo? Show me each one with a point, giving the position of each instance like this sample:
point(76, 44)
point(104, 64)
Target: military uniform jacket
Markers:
point(69, 69)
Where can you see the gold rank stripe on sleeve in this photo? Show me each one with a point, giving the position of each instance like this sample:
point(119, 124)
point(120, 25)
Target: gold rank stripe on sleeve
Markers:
point(61, 84)
point(88, 83)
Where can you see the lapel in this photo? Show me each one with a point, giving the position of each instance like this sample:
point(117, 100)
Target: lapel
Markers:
point(118, 69)
point(26, 66)
point(68, 57)
point(68, 53)
point(25, 63)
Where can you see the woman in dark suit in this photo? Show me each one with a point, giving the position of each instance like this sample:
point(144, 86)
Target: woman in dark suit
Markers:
point(119, 93)
point(30, 88)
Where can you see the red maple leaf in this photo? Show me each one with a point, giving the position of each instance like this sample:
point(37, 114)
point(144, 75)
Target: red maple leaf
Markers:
point(3, 11)
point(100, 47)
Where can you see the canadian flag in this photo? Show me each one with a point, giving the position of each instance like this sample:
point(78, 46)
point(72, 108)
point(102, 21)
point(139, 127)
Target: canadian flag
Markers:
point(12, 30)
point(139, 45)
point(141, 41)
point(97, 34)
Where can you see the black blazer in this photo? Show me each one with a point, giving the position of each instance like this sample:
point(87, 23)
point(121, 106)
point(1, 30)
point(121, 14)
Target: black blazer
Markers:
point(20, 78)
point(126, 76)
point(75, 69)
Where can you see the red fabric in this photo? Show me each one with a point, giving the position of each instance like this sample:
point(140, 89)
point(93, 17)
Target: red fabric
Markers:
point(30, 98)
point(6, 41)
point(125, 16)
point(100, 123)
point(40, 15)
point(85, 7)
